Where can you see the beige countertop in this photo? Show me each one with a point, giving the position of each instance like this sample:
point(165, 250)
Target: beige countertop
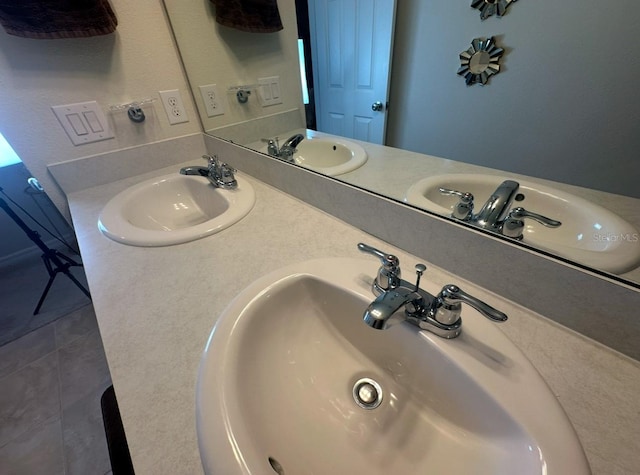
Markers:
point(156, 307)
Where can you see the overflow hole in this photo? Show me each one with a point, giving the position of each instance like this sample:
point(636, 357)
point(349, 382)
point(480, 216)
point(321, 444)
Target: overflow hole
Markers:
point(276, 466)
point(519, 197)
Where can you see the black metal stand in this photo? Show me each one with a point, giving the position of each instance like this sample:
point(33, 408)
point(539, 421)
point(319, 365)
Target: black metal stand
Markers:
point(54, 261)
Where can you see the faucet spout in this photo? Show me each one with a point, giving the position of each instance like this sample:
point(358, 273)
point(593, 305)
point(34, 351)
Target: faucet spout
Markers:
point(200, 171)
point(497, 206)
point(219, 174)
point(384, 311)
point(293, 142)
point(289, 148)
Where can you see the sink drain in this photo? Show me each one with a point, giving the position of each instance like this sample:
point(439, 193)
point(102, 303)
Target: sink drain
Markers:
point(367, 393)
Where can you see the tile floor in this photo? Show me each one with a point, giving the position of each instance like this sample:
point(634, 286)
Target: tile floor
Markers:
point(51, 380)
point(21, 285)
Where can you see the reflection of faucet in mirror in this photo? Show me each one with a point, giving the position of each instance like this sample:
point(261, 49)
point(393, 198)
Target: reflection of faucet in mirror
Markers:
point(438, 314)
point(219, 174)
point(288, 147)
point(497, 206)
point(495, 215)
point(513, 225)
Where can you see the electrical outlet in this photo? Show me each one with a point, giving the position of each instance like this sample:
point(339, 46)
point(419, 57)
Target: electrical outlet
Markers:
point(213, 101)
point(173, 106)
point(270, 90)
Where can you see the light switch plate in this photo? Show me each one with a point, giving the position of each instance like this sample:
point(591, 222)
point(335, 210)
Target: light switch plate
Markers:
point(270, 90)
point(84, 122)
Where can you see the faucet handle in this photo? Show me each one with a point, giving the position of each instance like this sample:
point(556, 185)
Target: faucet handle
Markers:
point(389, 261)
point(389, 274)
point(514, 223)
point(463, 195)
point(273, 146)
point(225, 168)
point(464, 208)
point(212, 160)
point(446, 306)
point(227, 177)
point(520, 212)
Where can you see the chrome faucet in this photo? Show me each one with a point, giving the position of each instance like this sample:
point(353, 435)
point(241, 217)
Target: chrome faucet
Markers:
point(464, 209)
point(438, 314)
point(287, 149)
point(293, 141)
point(497, 206)
point(219, 173)
point(273, 147)
point(495, 215)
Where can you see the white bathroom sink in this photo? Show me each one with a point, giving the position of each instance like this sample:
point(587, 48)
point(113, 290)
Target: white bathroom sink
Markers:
point(173, 209)
point(589, 234)
point(274, 391)
point(330, 156)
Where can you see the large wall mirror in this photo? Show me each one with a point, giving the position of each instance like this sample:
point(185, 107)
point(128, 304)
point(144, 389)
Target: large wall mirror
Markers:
point(562, 116)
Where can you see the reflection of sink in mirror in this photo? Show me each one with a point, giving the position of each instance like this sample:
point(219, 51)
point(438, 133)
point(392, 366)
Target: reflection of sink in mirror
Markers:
point(278, 388)
point(173, 209)
point(329, 156)
point(590, 234)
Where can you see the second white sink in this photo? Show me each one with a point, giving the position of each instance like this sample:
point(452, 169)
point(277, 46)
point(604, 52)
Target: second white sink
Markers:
point(174, 209)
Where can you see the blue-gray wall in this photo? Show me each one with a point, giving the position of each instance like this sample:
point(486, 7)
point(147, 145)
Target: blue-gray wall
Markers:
point(565, 107)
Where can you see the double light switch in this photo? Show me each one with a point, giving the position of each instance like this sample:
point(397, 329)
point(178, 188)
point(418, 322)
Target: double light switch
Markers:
point(84, 122)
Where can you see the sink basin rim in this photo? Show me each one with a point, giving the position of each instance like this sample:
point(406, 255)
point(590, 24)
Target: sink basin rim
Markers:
point(114, 224)
point(214, 422)
point(358, 156)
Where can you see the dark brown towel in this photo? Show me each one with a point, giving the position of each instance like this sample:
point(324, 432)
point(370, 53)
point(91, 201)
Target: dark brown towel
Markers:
point(255, 16)
point(48, 19)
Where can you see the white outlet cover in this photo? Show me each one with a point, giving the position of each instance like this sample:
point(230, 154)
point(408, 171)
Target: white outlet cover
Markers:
point(173, 106)
point(213, 101)
point(84, 122)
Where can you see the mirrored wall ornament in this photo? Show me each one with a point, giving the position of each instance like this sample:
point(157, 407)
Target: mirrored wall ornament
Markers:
point(480, 61)
point(491, 7)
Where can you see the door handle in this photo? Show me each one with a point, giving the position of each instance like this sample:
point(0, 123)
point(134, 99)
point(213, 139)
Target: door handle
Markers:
point(377, 106)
